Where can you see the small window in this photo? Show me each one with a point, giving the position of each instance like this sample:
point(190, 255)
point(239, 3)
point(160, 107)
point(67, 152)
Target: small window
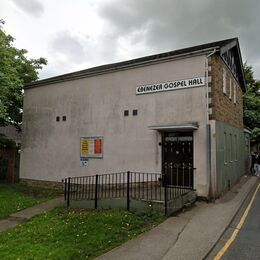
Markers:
point(235, 147)
point(231, 149)
point(57, 119)
point(225, 148)
point(230, 89)
point(224, 81)
point(126, 113)
point(235, 93)
point(64, 118)
point(135, 112)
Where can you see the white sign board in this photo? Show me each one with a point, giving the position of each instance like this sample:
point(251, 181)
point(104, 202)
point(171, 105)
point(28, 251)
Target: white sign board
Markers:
point(170, 85)
point(83, 161)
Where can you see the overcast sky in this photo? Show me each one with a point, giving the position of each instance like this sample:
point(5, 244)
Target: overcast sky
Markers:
point(79, 34)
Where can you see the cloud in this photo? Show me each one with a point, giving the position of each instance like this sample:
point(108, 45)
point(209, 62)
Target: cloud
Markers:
point(94, 32)
point(32, 7)
point(167, 25)
point(68, 47)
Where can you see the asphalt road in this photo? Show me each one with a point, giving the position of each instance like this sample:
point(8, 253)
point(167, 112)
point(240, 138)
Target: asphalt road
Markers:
point(247, 243)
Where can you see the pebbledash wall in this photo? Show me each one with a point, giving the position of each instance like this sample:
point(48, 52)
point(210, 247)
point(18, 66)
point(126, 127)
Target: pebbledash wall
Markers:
point(94, 102)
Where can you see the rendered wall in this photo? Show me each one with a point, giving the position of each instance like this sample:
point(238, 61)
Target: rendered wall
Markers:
point(231, 168)
point(94, 106)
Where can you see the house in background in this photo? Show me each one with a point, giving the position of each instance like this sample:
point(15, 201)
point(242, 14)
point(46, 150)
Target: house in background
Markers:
point(181, 108)
point(9, 153)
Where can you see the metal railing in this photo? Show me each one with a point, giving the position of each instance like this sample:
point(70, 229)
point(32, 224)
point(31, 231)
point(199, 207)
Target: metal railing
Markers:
point(130, 185)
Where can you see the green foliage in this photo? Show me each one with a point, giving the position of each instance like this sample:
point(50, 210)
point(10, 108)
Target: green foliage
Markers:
point(62, 234)
point(252, 104)
point(15, 197)
point(15, 71)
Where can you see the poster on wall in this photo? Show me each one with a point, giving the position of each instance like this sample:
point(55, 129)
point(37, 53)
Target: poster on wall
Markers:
point(91, 147)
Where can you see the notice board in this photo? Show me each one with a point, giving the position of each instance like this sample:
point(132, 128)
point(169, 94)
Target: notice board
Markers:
point(91, 147)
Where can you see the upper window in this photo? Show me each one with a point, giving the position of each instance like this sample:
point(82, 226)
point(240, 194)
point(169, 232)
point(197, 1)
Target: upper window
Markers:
point(224, 81)
point(230, 88)
point(235, 93)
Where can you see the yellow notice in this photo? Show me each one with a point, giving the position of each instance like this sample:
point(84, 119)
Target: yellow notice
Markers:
point(84, 147)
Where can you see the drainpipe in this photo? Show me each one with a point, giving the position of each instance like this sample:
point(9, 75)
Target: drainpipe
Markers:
point(212, 181)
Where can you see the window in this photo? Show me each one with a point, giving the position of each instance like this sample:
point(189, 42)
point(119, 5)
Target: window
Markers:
point(230, 89)
point(126, 113)
point(57, 119)
point(231, 149)
point(225, 148)
point(235, 93)
point(135, 112)
point(235, 147)
point(224, 81)
point(64, 118)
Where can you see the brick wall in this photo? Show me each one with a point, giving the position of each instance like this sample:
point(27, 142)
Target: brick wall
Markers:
point(222, 105)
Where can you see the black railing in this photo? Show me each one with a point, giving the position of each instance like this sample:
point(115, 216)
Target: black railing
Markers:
point(129, 185)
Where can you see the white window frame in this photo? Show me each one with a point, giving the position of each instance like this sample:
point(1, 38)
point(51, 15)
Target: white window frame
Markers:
point(224, 81)
point(230, 88)
point(235, 93)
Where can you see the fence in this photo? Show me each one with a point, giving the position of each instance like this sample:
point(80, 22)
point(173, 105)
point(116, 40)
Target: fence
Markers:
point(149, 187)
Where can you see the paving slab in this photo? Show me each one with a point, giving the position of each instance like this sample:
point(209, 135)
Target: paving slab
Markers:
point(38, 209)
point(24, 215)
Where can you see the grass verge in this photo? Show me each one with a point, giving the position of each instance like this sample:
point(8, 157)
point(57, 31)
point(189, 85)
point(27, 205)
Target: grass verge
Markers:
point(62, 234)
point(15, 197)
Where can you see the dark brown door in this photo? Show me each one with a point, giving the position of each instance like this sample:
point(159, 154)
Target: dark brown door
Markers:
point(177, 166)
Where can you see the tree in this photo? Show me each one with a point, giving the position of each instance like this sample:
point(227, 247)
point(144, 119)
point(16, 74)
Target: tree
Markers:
point(15, 71)
point(252, 104)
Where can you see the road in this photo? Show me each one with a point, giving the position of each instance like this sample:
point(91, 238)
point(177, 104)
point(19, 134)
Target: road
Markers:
point(246, 243)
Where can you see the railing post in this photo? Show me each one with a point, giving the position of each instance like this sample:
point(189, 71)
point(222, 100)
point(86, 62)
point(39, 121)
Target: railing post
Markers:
point(165, 201)
point(65, 189)
point(96, 191)
point(128, 191)
point(68, 193)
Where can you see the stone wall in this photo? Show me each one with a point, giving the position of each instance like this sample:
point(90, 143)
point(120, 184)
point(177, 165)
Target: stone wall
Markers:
point(43, 184)
point(223, 107)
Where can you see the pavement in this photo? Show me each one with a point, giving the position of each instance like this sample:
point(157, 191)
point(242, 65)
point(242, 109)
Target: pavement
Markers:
point(188, 235)
point(20, 217)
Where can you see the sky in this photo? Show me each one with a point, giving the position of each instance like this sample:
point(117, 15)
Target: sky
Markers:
point(79, 34)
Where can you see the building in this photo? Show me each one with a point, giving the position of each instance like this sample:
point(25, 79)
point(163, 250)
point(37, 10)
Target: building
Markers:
point(10, 141)
point(181, 108)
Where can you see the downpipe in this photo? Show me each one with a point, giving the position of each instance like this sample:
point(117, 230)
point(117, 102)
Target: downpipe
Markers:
point(212, 182)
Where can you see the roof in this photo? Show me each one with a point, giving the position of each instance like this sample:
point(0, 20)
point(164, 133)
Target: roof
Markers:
point(195, 50)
